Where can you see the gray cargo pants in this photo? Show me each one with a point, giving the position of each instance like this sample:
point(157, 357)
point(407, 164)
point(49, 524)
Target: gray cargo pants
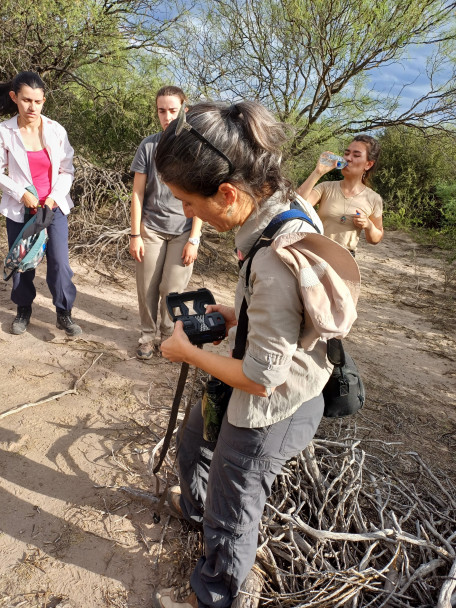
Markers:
point(225, 486)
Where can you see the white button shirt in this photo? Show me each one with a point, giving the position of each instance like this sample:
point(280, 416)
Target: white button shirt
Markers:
point(14, 161)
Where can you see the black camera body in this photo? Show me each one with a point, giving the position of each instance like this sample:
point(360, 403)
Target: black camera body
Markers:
point(200, 327)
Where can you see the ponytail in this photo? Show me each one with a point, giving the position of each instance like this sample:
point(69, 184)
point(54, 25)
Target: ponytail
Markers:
point(245, 132)
point(7, 105)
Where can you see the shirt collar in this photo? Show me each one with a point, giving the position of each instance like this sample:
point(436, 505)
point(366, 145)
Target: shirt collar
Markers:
point(257, 221)
point(11, 123)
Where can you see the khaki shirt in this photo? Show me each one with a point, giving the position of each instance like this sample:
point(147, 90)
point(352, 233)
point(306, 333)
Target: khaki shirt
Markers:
point(334, 206)
point(273, 357)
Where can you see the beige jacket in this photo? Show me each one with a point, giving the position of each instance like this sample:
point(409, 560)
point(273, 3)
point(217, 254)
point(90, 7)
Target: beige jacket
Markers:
point(275, 356)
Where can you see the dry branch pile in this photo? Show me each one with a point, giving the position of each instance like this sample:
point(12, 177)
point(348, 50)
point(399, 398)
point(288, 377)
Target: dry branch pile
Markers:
point(100, 224)
point(342, 528)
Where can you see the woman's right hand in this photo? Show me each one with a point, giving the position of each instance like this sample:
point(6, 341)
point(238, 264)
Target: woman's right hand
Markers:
point(137, 248)
point(325, 164)
point(227, 313)
point(30, 200)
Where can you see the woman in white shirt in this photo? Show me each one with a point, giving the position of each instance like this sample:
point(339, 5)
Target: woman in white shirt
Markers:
point(35, 151)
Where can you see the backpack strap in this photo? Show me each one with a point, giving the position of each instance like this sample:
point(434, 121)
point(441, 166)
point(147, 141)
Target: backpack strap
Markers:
point(266, 238)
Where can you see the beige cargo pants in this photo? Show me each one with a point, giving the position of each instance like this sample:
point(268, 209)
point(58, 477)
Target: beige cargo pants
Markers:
point(160, 273)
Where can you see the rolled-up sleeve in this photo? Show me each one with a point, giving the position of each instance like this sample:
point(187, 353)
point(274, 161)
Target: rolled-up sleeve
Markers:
point(275, 319)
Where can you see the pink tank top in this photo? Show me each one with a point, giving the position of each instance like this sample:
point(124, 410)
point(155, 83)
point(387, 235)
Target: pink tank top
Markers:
point(41, 170)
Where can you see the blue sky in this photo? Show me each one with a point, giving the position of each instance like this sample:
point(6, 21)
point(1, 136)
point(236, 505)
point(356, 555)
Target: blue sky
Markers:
point(408, 78)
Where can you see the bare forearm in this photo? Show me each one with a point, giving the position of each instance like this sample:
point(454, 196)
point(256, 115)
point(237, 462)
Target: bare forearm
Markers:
point(305, 189)
point(373, 234)
point(136, 212)
point(195, 231)
point(137, 199)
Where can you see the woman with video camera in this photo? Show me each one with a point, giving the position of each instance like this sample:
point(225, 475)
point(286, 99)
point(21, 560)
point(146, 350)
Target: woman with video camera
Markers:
point(223, 163)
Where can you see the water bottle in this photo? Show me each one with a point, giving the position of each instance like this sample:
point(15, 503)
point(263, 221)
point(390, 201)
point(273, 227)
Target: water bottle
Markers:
point(214, 402)
point(328, 158)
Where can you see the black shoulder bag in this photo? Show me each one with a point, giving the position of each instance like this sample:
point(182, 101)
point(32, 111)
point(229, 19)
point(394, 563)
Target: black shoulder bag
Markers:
point(344, 392)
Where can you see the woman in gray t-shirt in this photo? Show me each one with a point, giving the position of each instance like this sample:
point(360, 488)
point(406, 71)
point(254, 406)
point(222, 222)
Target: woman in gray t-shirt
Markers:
point(163, 241)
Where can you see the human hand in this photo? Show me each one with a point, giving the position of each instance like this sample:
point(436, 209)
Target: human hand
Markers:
point(189, 254)
point(325, 163)
point(178, 346)
point(137, 248)
point(30, 200)
point(227, 313)
point(360, 220)
point(50, 202)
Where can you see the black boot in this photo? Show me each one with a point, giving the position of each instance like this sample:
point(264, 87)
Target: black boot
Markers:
point(21, 321)
point(64, 321)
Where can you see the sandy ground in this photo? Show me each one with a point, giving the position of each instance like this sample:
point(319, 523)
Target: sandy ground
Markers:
point(69, 536)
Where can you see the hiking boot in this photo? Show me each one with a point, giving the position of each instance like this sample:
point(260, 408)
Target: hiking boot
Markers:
point(21, 321)
point(159, 339)
point(173, 502)
point(250, 591)
point(64, 321)
point(145, 351)
point(175, 597)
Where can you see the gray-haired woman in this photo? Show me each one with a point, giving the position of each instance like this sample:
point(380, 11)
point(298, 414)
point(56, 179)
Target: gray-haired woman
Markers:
point(224, 165)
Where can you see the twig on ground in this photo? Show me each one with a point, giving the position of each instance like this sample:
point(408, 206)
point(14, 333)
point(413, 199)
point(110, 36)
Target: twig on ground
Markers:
point(71, 391)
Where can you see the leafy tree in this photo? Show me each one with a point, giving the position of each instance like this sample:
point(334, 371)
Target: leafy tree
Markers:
point(56, 38)
point(107, 127)
point(95, 57)
point(309, 60)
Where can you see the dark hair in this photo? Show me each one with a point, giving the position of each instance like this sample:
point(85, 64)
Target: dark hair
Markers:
point(245, 132)
point(170, 90)
point(373, 153)
point(31, 79)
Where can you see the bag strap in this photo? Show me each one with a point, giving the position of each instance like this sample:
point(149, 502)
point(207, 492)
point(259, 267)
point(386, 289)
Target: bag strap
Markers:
point(335, 352)
point(265, 239)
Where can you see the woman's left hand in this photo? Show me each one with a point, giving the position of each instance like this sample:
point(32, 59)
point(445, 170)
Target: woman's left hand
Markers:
point(50, 202)
point(360, 220)
point(177, 347)
point(189, 254)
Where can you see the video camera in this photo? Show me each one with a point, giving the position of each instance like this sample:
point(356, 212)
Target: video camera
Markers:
point(200, 327)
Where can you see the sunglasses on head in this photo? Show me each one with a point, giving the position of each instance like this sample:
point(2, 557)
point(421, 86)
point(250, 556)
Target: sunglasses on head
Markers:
point(183, 125)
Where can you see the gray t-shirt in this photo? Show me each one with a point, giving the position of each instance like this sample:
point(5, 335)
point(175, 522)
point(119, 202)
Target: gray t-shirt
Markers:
point(161, 210)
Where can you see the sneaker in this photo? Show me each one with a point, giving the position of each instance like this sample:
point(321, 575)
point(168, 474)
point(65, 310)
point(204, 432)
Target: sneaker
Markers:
point(64, 321)
point(175, 597)
point(145, 351)
point(19, 325)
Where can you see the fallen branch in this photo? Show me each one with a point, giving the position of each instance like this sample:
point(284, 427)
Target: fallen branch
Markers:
point(70, 391)
point(446, 593)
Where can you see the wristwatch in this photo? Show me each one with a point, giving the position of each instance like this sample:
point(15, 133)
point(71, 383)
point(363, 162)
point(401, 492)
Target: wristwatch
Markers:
point(194, 240)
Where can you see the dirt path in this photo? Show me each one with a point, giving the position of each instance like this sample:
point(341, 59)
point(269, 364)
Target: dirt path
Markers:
point(68, 535)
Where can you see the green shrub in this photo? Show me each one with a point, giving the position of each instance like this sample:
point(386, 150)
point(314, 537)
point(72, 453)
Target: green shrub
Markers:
point(412, 165)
